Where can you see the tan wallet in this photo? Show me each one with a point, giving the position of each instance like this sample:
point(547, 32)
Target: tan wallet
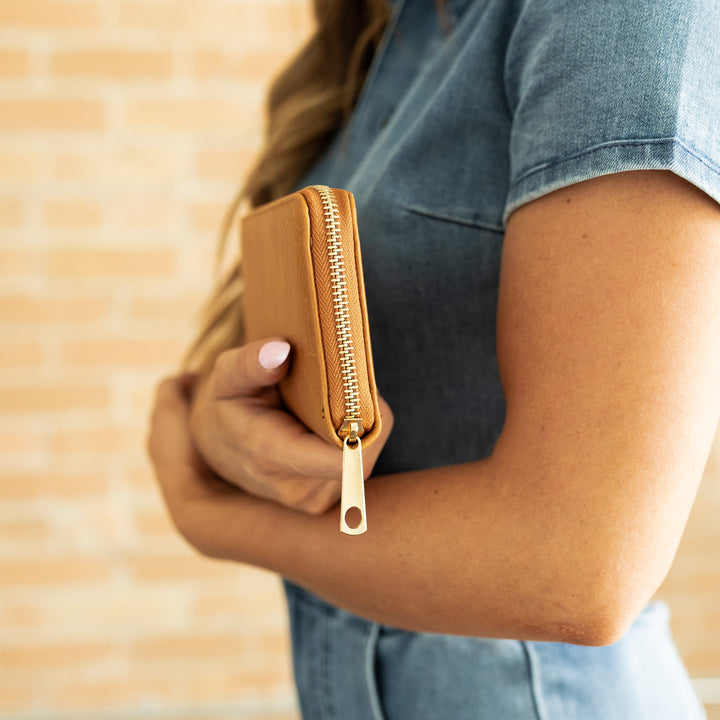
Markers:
point(303, 282)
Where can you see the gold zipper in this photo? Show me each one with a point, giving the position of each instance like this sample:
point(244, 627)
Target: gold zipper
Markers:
point(353, 486)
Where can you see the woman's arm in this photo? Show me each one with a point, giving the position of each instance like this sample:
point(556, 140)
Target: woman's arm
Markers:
point(609, 347)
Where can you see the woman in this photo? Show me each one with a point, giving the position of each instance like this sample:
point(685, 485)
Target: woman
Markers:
point(537, 184)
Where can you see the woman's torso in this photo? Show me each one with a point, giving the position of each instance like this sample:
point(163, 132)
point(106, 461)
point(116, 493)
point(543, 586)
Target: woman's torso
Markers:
point(429, 157)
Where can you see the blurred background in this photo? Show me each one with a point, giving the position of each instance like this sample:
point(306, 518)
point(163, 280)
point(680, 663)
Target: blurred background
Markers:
point(125, 128)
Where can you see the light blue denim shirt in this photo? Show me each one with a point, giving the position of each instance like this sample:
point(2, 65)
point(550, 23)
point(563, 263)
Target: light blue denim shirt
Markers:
point(452, 133)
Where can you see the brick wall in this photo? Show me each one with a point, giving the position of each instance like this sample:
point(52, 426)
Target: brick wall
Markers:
point(125, 126)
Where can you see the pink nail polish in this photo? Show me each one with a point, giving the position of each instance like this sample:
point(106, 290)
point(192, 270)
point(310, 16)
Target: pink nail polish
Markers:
point(273, 354)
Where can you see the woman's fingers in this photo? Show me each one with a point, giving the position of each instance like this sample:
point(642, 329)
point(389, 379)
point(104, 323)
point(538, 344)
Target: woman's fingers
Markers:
point(188, 486)
point(168, 423)
point(247, 437)
point(246, 371)
point(179, 468)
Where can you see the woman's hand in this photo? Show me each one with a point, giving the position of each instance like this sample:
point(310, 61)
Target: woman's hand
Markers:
point(197, 500)
point(244, 434)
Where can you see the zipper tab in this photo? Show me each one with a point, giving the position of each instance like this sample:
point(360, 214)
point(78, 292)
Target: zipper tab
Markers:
point(353, 484)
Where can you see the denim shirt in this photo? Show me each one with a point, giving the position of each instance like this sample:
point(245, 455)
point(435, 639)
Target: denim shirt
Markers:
point(454, 130)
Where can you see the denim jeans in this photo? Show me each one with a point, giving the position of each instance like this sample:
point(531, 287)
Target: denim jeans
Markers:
point(347, 668)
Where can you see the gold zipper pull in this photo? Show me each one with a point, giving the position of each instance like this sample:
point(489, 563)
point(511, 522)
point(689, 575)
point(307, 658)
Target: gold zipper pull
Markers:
point(353, 484)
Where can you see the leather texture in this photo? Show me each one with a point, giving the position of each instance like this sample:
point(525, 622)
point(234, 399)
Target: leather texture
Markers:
point(288, 294)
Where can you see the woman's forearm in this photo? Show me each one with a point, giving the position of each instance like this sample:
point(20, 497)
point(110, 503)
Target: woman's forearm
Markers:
point(430, 533)
point(448, 550)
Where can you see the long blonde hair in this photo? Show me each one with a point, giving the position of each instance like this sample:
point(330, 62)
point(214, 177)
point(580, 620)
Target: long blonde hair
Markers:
point(306, 105)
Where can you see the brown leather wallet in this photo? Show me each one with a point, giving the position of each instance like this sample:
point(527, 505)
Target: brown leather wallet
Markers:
point(303, 282)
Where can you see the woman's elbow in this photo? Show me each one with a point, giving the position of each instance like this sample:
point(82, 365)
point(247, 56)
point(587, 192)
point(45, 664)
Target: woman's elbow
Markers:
point(598, 615)
point(591, 626)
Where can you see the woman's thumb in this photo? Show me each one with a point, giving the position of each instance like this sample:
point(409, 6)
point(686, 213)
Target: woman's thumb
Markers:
point(246, 370)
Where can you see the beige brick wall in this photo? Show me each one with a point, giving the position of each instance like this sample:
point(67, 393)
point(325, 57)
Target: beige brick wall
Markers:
point(125, 126)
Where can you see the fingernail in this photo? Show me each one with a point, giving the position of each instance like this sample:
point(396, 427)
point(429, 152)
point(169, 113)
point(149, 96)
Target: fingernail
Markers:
point(273, 354)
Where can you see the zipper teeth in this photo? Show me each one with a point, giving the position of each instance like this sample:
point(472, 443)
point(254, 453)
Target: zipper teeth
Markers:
point(351, 390)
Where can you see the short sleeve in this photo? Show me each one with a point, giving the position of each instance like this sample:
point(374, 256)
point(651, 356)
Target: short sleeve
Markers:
point(598, 86)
